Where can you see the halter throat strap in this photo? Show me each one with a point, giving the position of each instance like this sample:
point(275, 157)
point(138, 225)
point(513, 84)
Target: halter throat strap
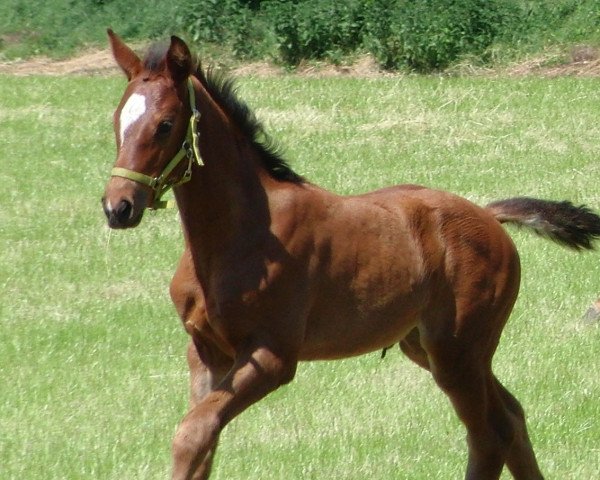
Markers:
point(190, 150)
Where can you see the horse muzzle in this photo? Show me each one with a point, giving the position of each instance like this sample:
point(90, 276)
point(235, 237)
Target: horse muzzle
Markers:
point(121, 216)
point(124, 209)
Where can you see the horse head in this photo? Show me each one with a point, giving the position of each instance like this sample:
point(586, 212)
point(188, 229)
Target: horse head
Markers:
point(152, 127)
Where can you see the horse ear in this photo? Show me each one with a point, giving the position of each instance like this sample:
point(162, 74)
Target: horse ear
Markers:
point(179, 60)
point(125, 57)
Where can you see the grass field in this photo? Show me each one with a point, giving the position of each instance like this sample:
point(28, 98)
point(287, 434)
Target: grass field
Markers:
point(92, 361)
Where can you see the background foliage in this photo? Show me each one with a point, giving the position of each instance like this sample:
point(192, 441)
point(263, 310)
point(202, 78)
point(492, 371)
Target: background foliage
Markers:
point(418, 35)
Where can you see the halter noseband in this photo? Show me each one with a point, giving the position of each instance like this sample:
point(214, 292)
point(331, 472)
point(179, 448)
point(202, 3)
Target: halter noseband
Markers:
point(190, 150)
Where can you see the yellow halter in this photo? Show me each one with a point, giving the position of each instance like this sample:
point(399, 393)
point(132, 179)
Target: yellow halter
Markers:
point(190, 150)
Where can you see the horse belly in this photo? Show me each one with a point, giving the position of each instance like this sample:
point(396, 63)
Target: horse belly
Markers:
point(369, 283)
point(345, 325)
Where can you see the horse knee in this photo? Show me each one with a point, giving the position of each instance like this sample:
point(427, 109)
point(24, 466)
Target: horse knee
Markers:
point(287, 372)
point(194, 437)
point(275, 369)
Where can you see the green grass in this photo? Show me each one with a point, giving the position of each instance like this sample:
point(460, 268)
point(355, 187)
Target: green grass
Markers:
point(92, 354)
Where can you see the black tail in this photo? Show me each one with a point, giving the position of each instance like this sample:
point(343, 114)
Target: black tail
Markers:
point(563, 222)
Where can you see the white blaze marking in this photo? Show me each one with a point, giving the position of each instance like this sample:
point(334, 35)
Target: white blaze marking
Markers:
point(133, 109)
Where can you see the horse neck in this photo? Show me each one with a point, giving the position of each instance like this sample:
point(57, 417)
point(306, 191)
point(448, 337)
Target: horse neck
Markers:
point(225, 202)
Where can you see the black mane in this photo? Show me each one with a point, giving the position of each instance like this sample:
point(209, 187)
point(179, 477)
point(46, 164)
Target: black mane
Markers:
point(223, 91)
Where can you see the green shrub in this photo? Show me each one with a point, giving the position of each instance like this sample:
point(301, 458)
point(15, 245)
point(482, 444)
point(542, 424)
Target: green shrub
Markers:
point(58, 27)
point(425, 35)
point(562, 21)
point(237, 24)
point(316, 29)
point(203, 19)
point(421, 35)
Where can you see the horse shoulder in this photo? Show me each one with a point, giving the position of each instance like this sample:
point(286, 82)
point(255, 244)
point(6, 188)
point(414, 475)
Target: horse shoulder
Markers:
point(187, 295)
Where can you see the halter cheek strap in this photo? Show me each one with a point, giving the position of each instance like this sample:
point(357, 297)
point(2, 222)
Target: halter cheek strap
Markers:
point(190, 150)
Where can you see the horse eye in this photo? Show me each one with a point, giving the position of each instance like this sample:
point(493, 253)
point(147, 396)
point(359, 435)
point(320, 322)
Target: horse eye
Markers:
point(164, 128)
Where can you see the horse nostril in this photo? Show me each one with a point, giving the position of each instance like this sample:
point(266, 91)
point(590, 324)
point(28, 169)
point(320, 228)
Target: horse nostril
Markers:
point(123, 211)
point(105, 207)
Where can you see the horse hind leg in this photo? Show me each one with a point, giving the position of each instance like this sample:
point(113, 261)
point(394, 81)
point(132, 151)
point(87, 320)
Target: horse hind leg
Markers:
point(521, 459)
point(494, 420)
point(489, 431)
point(412, 348)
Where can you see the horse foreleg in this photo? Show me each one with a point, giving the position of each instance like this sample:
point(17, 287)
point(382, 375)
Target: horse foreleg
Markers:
point(207, 369)
point(256, 372)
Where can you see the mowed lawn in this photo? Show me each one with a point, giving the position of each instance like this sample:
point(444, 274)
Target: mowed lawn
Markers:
point(92, 365)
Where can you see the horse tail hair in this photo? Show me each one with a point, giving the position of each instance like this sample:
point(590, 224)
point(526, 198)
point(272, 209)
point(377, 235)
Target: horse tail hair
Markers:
point(569, 225)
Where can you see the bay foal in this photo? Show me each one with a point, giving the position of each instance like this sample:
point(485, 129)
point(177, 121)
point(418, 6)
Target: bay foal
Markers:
point(276, 269)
